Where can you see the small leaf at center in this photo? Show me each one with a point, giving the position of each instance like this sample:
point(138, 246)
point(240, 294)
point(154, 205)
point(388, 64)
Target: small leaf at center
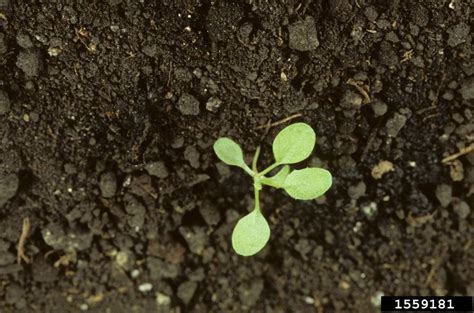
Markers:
point(278, 180)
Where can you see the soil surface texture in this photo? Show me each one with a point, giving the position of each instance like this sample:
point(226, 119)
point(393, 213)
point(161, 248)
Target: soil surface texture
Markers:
point(112, 199)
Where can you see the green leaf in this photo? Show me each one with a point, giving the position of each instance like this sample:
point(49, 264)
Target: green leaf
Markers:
point(250, 234)
point(278, 180)
point(294, 143)
point(308, 183)
point(229, 152)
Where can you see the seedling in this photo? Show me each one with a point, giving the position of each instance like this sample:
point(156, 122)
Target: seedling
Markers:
point(292, 145)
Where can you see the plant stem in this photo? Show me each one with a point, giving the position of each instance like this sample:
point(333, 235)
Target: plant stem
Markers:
point(249, 171)
point(255, 160)
point(257, 187)
point(268, 169)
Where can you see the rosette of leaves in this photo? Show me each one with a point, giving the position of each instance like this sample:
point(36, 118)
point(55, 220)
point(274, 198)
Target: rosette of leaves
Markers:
point(292, 145)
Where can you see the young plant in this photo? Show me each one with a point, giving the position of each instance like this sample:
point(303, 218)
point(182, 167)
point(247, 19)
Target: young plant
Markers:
point(292, 145)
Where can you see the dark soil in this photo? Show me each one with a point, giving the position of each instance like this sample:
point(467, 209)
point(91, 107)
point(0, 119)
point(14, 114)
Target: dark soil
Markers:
point(108, 113)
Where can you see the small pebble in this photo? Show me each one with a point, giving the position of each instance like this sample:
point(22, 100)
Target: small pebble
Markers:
point(303, 35)
point(351, 100)
point(145, 287)
point(369, 209)
point(186, 291)
point(29, 62)
point(157, 169)
point(162, 299)
point(357, 191)
point(188, 105)
point(467, 89)
point(395, 124)
point(444, 194)
point(108, 184)
point(8, 187)
point(458, 34)
point(213, 104)
point(135, 273)
point(462, 209)
point(379, 108)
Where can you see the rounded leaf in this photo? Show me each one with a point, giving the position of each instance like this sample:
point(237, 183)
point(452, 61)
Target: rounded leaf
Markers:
point(309, 183)
point(250, 234)
point(294, 143)
point(229, 152)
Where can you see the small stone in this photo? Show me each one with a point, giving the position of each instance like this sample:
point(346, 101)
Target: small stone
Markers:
point(223, 170)
point(448, 95)
point(309, 300)
point(8, 187)
point(328, 237)
point(162, 299)
point(395, 124)
point(196, 238)
point(462, 209)
point(351, 100)
point(137, 212)
point(160, 269)
point(369, 209)
point(303, 246)
point(213, 104)
point(150, 50)
point(145, 287)
point(197, 274)
point(379, 108)
point(444, 194)
point(303, 35)
point(466, 90)
point(391, 36)
point(55, 236)
point(108, 184)
point(376, 299)
point(24, 41)
point(357, 191)
point(387, 55)
point(249, 295)
point(381, 168)
point(456, 170)
point(458, 34)
point(135, 273)
point(419, 14)
point(122, 258)
point(371, 14)
point(29, 62)
point(157, 169)
point(186, 291)
point(191, 154)
point(188, 105)
point(53, 51)
point(210, 214)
